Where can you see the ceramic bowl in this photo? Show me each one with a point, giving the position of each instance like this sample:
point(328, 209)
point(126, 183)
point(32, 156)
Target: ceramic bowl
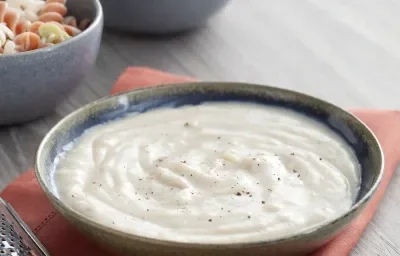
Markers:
point(357, 135)
point(159, 17)
point(33, 83)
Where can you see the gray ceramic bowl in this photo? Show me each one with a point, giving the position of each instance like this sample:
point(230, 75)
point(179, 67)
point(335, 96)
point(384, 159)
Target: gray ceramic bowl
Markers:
point(159, 17)
point(33, 83)
point(358, 136)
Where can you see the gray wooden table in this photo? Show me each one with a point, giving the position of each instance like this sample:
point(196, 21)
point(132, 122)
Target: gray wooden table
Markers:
point(346, 52)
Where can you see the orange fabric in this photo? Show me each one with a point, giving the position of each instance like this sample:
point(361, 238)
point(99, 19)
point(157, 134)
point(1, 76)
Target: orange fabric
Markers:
point(61, 239)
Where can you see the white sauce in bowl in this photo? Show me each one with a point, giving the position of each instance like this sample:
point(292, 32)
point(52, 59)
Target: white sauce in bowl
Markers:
point(212, 173)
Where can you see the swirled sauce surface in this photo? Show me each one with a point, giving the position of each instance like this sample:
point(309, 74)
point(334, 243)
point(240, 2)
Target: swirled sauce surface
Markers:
point(212, 173)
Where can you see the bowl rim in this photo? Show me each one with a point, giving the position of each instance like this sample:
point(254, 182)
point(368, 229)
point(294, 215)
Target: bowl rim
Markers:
point(95, 23)
point(308, 233)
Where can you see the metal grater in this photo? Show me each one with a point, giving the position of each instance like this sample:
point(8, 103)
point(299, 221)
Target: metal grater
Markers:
point(16, 238)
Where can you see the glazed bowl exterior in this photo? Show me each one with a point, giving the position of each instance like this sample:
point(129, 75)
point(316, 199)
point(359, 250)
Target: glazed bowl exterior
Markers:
point(33, 83)
point(159, 17)
point(357, 135)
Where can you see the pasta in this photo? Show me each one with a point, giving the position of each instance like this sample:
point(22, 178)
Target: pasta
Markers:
point(27, 25)
point(52, 33)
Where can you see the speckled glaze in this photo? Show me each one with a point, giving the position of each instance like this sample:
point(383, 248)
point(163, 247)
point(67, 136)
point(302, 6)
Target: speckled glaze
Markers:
point(33, 83)
point(159, 17)
point(360, 138)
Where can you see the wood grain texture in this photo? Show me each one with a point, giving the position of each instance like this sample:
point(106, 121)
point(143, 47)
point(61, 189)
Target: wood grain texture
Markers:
point(342, 51)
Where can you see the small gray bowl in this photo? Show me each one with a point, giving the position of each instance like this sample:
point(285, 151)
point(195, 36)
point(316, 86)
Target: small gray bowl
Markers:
point(159, 17)
point(33, 83)
point(357, 135)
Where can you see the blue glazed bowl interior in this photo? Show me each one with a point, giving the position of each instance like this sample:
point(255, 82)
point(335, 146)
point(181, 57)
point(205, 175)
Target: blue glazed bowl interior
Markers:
point(356, 134)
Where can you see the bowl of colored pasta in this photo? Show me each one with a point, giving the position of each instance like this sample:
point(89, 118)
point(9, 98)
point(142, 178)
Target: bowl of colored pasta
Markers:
point(46, 49)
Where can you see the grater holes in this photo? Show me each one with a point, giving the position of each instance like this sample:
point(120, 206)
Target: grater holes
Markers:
point(11, 243)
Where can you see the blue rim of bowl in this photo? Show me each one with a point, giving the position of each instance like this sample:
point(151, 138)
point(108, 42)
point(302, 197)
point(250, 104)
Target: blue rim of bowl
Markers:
point(170, 243)
point(98, 19)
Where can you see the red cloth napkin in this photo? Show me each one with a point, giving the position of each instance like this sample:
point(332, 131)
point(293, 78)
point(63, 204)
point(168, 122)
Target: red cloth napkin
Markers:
point(61, 239)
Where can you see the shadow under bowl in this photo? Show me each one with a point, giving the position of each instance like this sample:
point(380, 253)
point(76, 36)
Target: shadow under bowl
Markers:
point(159, 17)
point(354, 132)
point(33, 83)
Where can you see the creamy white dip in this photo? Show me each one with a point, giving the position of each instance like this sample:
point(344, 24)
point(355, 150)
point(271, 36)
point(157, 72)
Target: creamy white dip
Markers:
point(212, 173)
